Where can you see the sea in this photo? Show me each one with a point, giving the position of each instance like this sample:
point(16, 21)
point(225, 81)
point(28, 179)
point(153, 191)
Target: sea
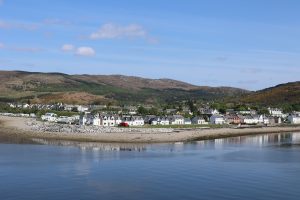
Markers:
point(265, 167)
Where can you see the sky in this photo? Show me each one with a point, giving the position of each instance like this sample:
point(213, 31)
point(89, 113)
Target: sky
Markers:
point(250, 44)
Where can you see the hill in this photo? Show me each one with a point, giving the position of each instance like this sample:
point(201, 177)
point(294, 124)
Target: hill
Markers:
point(279, 95)
point(87, 89)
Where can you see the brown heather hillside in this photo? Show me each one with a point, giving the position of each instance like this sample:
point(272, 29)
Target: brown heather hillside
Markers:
point(288, 93)
point(86, 89)
point(71, 98)
point(135, 83)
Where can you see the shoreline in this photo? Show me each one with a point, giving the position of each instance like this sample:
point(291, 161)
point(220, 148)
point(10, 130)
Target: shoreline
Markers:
point(19, 128)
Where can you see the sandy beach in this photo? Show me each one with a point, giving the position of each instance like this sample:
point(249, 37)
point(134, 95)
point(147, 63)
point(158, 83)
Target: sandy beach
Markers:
point(22, 127)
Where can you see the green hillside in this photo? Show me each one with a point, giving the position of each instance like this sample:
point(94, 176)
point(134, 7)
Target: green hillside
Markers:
point(87, 89)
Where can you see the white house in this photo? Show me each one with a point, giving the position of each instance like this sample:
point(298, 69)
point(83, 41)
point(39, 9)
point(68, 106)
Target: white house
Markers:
point(187, 121)
point(293, 119)
point(138, 121)
point(209, 111)
point(26, 105)
point(250, 120)
point(278, 120)
point(260, 119)
point(50, 117)
point(198, 120)
point(82, 108)
point(154, 121)
point(164, 121)
point(83, 120)
point(106, 120)
point(97, 120)
point(86, 119)
point(217, 119)
point(297, 113)
point(275, 112)
point(176, 119)
point(65, 120)
point(118, 120)
point(69, 107)
point(266, 120)
point(134, 120)
point(187, 110)
point(12, 105)
point(132, 110)
point(159, 121)
point(244, 112)
point(247, 112)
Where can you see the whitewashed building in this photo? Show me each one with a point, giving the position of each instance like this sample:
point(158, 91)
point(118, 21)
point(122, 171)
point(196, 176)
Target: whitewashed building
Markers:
point(118, 120)
point(133, 120)
point(275, 112)
point(176, 120)
point(293, 119)
point(187, 121)
point(159, 121)
point(82, 108)
point(50, 117)
point(69, 107)
point(297, 113)
point(209, 111)
point(86, 119)
point(217, 119)
point(250, 120)
point(106, 120)
point(198, 120)
point(65, 120)
point(97, 120)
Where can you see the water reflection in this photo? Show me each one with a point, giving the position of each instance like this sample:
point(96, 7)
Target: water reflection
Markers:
point(283, 139)
point(248, 167)
point(95, 146)
point(258, 140)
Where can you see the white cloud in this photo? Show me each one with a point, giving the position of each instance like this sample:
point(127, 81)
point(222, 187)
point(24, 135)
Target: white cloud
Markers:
point(112, 31)
point(85, 51)
point(68, 47)
point(80, 51)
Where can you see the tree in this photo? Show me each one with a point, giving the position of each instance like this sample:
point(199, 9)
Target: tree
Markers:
point(287, 108)
point(74, 109)
point(241, 108)
point(153, 111)
point(142, 111)
point(109, 104)
point(296, 107)
point(192, 106)
point(263, 111)
point(222, 110)
point(180, 108)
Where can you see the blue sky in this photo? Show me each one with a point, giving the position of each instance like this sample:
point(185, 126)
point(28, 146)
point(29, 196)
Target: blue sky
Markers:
point(250, 44)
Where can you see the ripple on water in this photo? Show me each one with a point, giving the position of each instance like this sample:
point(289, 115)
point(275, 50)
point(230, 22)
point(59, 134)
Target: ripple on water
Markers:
point(253, 167)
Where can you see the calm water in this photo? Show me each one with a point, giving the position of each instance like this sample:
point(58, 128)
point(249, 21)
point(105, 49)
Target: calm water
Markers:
point(253, 167)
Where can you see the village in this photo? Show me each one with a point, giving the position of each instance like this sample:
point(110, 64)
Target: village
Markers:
point(132, 116)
